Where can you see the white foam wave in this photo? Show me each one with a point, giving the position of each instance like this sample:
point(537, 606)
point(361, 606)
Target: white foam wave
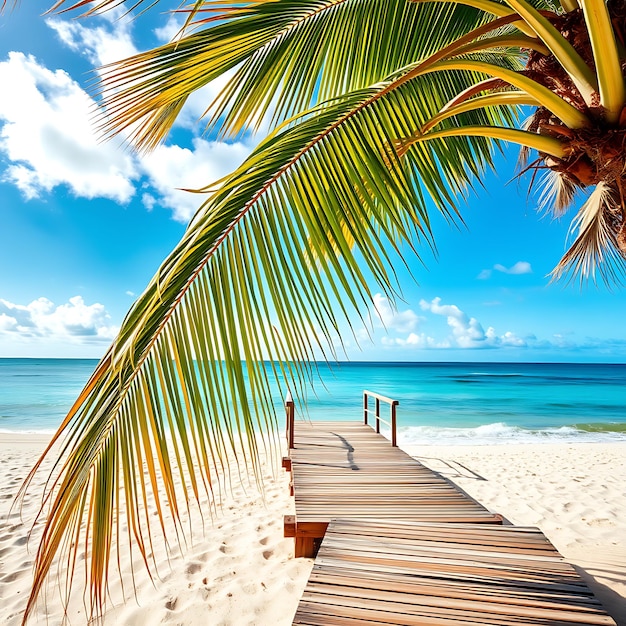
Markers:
point(25, 431)
point(500, 433)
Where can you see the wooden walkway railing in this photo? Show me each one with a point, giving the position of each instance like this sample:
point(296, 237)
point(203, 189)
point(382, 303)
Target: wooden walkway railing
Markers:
point(290, 416)
point(377, 418)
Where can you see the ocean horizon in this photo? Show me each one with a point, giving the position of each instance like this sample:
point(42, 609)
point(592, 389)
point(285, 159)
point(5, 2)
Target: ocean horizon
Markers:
point(441, 403)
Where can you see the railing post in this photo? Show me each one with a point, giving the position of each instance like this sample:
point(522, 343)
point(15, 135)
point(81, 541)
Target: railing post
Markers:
point(392, 423)
point(290, 414)
point(365, 405)
point(377, 413)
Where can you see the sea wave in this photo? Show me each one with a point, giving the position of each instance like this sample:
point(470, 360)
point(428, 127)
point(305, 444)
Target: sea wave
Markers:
point(501, 433)
point(27, 431)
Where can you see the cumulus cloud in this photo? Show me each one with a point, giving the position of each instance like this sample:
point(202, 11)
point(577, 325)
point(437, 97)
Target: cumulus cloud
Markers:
point(521, 267)
point(48, 139)
point(170, 169)
point(391, 318)
point(109, 41)
point(416, 341)
point(468, 332)
point(47, 136)
point(403, 328)
point(171, 29)
point(73, 321)
point(51, 142)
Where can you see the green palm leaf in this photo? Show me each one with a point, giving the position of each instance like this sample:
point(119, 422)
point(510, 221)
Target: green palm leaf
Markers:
point(289, 248)
point(286, 56)
point(256, 289)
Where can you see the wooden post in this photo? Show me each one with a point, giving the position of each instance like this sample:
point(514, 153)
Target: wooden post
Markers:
point(377, 411)
point(290, 413)
point(393, 424)
point(365, 401)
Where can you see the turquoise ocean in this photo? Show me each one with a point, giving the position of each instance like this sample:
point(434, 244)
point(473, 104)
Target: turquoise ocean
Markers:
point(440, 403)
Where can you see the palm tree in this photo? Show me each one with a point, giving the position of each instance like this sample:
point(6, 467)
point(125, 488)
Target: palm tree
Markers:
point(382, 111)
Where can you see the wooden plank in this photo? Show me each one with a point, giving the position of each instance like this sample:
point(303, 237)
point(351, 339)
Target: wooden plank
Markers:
point(404, 573)
point(345, 469)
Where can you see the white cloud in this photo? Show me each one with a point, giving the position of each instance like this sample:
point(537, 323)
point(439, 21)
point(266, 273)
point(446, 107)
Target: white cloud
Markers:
point(73, 321)
point(521, 267)
point(511, 339)
point(468, 332)
point(110, 41)
point(50, 142)
point(46, 134)
point(171, 29)
point(484, 275)
point(391, 318)
point(48, 139)
point(414, 340)
point(170, 168)
point(464, 332)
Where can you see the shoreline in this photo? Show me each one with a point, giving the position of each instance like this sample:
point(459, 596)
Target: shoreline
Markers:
point(242, 570)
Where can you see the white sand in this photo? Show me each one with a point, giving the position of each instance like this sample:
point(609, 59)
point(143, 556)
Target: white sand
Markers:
point(242, 570)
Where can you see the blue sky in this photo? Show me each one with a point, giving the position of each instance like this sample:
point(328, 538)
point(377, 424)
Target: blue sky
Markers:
point(86, 224)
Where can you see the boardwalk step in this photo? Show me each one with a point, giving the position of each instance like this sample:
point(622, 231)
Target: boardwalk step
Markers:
point(401, 573)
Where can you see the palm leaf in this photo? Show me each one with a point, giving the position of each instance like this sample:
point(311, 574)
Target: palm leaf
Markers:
point(595, 247)
point(257, 288)
point(557, 193)
point(607, 58)
point(583, 77)
point(286, 56)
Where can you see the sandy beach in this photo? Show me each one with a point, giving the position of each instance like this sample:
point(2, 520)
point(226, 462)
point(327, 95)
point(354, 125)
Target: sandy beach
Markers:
point(241, 570)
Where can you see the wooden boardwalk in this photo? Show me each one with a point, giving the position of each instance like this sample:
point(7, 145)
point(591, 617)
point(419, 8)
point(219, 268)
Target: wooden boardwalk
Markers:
point(403, 546)
point(346, 469)
point(404, 573)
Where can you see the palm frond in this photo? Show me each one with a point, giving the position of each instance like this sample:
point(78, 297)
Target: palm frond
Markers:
point(595, 247)
point(258, 287)
point(286, 56)
point(548, 145)
point(568, 114)
point(500, 98)
point(557, 193)
point(607, 58)
point(571, 61)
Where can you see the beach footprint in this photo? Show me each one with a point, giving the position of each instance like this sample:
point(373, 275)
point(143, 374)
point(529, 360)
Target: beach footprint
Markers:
point(193, 568)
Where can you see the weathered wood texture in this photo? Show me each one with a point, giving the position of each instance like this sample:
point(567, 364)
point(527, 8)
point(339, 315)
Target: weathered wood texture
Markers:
point(404, 573)
point(345, 469)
